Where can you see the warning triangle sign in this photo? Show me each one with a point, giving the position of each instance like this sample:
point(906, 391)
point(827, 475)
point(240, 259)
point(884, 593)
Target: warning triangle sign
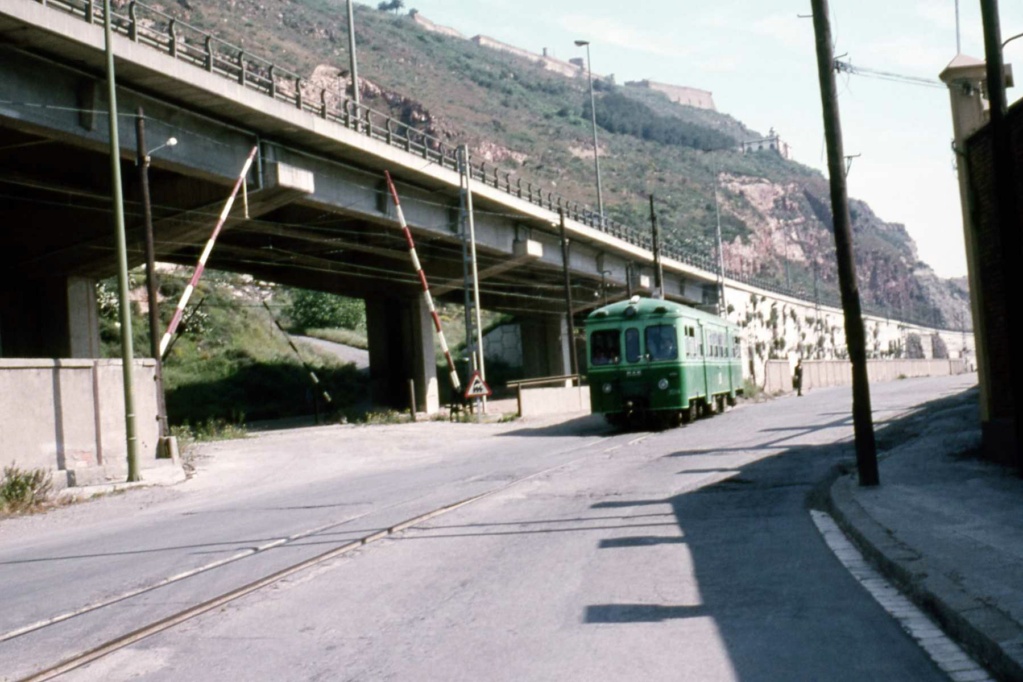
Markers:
point(477, 388)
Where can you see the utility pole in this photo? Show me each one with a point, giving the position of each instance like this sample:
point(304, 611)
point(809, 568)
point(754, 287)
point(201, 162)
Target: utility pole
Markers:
point(352, 67)
point(474, 323)
point(127, 352)
point(722, 309)
point(1006, 208)
point(568, 293)
point(658, 270)
point(866, 447)
point(152, 285)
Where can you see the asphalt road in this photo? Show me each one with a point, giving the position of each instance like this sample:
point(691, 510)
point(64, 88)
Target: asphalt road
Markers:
point(684, 554)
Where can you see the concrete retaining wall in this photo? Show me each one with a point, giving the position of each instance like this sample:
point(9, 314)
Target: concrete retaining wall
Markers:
point(557, 400)
point(824, 373)
point(68, 416)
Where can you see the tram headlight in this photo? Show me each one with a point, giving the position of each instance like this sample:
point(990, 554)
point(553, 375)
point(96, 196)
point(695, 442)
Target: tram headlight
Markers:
point(663, 384)
point(607, 388)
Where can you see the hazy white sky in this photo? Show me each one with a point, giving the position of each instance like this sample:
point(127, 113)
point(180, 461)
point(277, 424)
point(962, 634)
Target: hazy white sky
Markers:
point(757, 57)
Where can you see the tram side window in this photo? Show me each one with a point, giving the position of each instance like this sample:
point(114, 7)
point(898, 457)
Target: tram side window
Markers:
point(736, 347)
point(605, 347)
point(632, 344)
point(691, 345)
point(662, 342)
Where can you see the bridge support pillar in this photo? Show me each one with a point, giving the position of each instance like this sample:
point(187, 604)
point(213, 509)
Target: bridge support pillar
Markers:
point(401, 347)
point(52, 317)
point(545, 350)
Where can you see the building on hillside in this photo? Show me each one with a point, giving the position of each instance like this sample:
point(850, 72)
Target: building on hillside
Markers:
point(772, 142)
point(680, 94)
point(573, 68)
point(428, 25)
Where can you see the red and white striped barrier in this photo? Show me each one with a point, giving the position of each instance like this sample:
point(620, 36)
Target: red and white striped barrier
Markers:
point(422, 280)
point(176, 320)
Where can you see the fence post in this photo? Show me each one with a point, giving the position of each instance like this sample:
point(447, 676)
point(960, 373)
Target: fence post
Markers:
point(273, 81)
point(172, 31)
point(209, 53)
point(241, 67)
point(133, 25)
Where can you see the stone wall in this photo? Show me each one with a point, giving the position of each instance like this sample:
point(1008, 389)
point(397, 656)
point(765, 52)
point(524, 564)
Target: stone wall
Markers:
point(67, 416)
point(549, 63)
point(778, 327)
point(680, 94)
point(826, 373)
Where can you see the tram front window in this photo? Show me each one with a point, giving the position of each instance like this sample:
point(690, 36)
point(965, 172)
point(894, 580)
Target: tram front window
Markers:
point(605, 347)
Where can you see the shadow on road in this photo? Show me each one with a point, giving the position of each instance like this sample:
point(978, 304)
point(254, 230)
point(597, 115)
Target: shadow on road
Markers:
point(781, 604)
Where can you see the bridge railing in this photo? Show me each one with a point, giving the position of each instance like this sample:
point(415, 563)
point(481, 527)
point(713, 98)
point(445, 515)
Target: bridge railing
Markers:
point(161, 31)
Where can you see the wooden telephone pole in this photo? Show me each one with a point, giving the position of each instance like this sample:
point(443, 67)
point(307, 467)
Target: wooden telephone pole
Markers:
point(866, 447)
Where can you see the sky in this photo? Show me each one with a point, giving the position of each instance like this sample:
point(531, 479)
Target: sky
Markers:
point(758, 59)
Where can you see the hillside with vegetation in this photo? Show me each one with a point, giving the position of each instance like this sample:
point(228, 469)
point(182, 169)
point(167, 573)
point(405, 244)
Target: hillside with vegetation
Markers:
point(534, 123)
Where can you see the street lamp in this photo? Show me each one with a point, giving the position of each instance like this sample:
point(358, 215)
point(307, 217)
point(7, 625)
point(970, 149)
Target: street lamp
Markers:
point(593, 117)
point(171, 142)
point(143, 159)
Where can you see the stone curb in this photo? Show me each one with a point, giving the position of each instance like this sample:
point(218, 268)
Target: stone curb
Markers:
point(985, 632)
point(164, 476)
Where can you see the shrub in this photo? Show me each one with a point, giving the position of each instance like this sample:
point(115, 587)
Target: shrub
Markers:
point(22, 489)
point(316, 309)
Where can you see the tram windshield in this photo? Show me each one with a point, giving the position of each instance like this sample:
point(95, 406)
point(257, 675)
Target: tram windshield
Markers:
point(605, 347)
point(661, 342)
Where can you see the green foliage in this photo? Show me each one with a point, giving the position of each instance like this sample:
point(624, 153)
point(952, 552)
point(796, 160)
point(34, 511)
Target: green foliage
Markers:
point(619, 113)
point(239, 387)
point(347, 337)
point(24, 489)
point(750, 390)
point(914, 347)
point(319, 310)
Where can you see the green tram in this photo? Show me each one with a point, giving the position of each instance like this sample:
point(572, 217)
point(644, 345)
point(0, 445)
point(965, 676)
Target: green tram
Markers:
point(658, 360)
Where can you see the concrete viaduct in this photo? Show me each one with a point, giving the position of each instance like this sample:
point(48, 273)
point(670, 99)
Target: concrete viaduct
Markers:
point(318, 213)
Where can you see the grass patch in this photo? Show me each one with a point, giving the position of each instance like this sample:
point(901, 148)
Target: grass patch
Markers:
point(750, 390)
point(24, 490)
point(347, 337)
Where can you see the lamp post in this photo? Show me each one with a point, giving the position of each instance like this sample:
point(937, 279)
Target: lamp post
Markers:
point(593, 117)
point(152, 285)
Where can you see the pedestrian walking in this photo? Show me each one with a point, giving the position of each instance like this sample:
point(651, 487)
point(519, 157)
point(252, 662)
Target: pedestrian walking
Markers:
point(797, 378)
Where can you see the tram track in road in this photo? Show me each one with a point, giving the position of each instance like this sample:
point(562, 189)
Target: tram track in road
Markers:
point(110, 646)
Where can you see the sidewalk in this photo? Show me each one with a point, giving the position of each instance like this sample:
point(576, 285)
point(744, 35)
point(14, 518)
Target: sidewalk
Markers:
point(947, 528)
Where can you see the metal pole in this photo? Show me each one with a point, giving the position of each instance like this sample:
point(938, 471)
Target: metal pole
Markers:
point(201, 265)
point(658, 270)
point(152, 284)
point(463, 180)
point(721, 254)
point(568, 294)
point(352, 66)
point(866, 447)
point(593, 117)
point(477, 321)
point(1004, 184)
point(475, 276)
point(127, 357)
point(417, 266)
